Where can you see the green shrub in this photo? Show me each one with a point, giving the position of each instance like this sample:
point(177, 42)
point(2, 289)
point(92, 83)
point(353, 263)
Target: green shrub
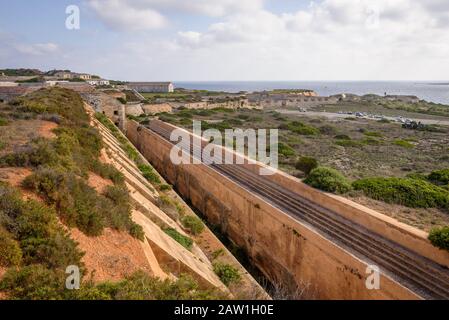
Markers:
point(285, 150)
point(439, 237)
point(164, 187)
point(107, 171)
point(2, 145)
point(10, 252)
point(34, 282)
point(186, 242)
point(36, 229)
point(306, 164)
point(149, 174)
point(371, 141)
point(140, 286)
point(80, 205)
point(348, 143)
point(440, 177)
point(194, 224)
point(329, 180)
point(227, 273)
point(404, 144)
point(404, 191)
point(3, 122)
point(372, 134)
point(300, 128)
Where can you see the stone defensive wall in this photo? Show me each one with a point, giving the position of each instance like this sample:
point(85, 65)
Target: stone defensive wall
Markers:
point(284, 249)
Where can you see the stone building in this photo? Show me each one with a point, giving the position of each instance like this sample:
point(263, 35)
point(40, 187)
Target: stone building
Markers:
point(151, 86)
point(279, 100)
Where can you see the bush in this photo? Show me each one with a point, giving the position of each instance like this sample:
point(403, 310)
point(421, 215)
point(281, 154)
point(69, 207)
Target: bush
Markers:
point(227, 273)
point(404, 191)
point(348, 143)
point(149, 174)
point(3, 122)
point(165, 187)
point(372, 134)
point(285, 150)
point(329, 180)
point(10, 252)
point(80, 205)
point(107, 171)
point(36, 229)
point(404, 144)
point(34, 282)
point(186, 242)
point(371, 141)
point(194, 224)
point(439, 237)
point(440, 177)
point(300, 128)
point(140, 286)
point(306, 164)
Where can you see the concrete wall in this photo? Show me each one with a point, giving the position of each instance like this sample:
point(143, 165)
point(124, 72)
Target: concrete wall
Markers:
point(156, 108)
point(281, 247)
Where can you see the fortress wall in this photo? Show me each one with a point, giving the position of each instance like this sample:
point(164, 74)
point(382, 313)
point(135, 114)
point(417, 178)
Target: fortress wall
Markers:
point(281, 247)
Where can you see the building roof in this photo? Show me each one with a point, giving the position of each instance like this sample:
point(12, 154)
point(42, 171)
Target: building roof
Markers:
point(149, 83)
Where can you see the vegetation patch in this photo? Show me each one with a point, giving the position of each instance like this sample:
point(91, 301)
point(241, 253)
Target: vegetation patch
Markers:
point(227, 273)
point(306, 164)
point(440, 177)
point(439, 237)
point(404, 191)
point(285, 150)
point(149, 174)
point(404, 144)
point(185, 241)
point(194, 224)
point(300, 128)
point(328, 179)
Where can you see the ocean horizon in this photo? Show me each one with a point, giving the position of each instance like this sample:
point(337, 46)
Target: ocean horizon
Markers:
point(432, 91)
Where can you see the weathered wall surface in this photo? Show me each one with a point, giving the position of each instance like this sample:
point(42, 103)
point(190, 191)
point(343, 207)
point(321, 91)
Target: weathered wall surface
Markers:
point(281, 247)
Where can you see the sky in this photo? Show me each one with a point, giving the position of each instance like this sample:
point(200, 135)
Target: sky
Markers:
point(230, 40)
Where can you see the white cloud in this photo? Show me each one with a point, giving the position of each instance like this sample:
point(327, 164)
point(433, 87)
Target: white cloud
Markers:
point(331, 39)
point(120, 15)
point(36, 49)
point(135, 15)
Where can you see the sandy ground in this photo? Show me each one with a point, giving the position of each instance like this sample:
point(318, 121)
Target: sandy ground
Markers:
point(14, 177)
point(46, 128)
point(98, 183)
point(111, 256)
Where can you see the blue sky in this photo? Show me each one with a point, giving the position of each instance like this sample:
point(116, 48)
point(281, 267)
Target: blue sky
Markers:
point(231, 39)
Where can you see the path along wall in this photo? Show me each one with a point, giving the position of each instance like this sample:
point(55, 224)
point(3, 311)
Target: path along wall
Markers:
point(282, 248)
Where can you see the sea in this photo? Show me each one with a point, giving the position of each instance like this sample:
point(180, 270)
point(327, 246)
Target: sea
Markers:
point(437, 92)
